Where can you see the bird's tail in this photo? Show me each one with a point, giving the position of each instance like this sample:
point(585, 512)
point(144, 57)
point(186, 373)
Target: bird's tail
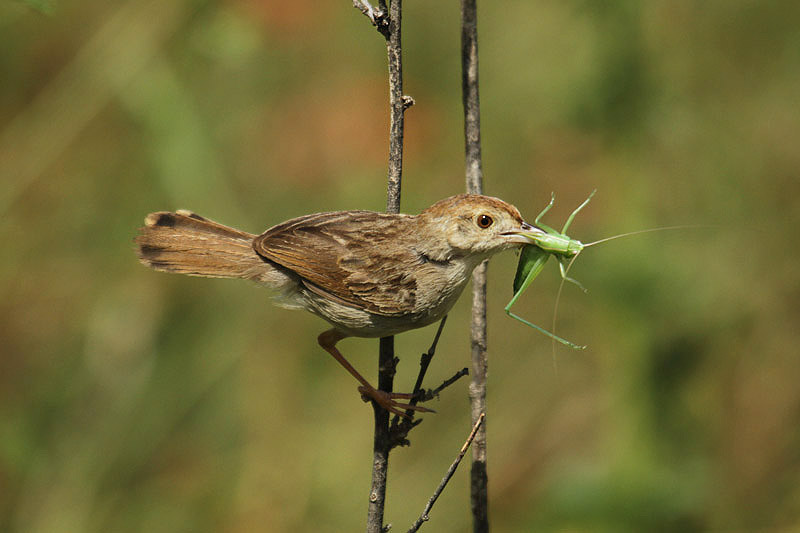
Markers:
point(187, 243)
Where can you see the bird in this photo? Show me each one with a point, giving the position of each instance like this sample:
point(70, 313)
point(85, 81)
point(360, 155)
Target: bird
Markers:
point(368, 274)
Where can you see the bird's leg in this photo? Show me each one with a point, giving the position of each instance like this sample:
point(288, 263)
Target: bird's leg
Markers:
point(328, 340)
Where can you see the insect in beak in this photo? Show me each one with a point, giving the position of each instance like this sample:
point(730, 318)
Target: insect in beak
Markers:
point(527, 234)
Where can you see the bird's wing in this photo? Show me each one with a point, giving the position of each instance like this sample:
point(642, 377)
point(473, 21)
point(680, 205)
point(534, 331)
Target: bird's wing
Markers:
point(355, 257)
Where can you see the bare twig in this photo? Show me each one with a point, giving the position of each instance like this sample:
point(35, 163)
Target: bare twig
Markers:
point(379, 17)
point(474, 178)
point(433, 393)
point(424, 517)
point(401, 426)
point(366, 8)
point(470, 96)
point(386, 365)
point(426, 358)
point(381, 440)
point(398, 104)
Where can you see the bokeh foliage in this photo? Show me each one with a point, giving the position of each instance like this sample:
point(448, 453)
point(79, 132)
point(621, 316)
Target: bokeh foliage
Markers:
point(137, 401)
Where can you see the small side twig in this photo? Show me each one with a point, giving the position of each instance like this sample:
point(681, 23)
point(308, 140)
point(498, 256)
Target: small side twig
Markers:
point(378, 17)
point(401, 426)
point(430, 394)
point(427, 357)
point(424, 517)
point(424, 363)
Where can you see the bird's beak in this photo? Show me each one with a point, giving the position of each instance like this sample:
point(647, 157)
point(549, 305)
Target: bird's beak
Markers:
point(526, 234)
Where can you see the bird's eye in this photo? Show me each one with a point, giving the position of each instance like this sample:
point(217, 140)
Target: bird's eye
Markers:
point(484, 221)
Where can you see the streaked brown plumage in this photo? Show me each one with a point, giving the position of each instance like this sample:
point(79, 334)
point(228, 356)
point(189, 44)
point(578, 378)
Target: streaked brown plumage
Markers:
point(368, 274)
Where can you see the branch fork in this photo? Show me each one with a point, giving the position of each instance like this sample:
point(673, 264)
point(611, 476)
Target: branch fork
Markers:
point(379, 17)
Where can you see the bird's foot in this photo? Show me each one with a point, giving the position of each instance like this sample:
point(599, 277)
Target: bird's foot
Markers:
point(387, 401)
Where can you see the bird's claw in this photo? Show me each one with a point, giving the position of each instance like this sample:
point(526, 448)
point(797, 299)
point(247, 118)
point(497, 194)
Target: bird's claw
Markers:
point(387, 401)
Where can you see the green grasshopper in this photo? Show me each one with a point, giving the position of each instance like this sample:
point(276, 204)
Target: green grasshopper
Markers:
point(534, 256)
point(565, 249)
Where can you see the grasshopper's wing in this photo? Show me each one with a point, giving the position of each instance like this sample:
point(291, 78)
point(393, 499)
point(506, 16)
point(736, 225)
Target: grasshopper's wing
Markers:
point(531, 262)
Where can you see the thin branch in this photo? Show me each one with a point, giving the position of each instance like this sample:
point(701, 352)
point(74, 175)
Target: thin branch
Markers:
point(479, 480)
point(427, 357)
point(424, 517)
point(387, 362)
point(398, 104)
point(424, 363)
point(470, 97)
point(401, 426)
point(430, 394)
point(474, 178)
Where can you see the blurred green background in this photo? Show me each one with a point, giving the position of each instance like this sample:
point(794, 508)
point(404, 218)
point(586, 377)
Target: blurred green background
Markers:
point(137, 401)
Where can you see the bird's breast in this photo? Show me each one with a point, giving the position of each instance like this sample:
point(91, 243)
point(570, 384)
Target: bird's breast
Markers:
point(439, 284)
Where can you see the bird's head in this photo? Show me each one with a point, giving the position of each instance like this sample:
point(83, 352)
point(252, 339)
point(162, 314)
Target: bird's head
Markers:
point(474, 225)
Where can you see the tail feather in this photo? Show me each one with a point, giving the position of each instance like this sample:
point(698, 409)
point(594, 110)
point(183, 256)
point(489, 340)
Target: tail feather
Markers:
point(187, 243)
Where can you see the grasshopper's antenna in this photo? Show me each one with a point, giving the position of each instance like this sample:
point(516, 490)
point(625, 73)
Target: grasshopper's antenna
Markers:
point(650, 230)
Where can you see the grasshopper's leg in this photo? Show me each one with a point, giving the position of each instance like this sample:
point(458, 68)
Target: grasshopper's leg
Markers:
point(553, 336)
point(546, 209)
point(531, 265)
point(572, 216)
point(564, 276)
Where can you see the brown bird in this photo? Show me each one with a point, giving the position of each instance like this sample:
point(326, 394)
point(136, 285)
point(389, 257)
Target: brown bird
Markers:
point(368, 274)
